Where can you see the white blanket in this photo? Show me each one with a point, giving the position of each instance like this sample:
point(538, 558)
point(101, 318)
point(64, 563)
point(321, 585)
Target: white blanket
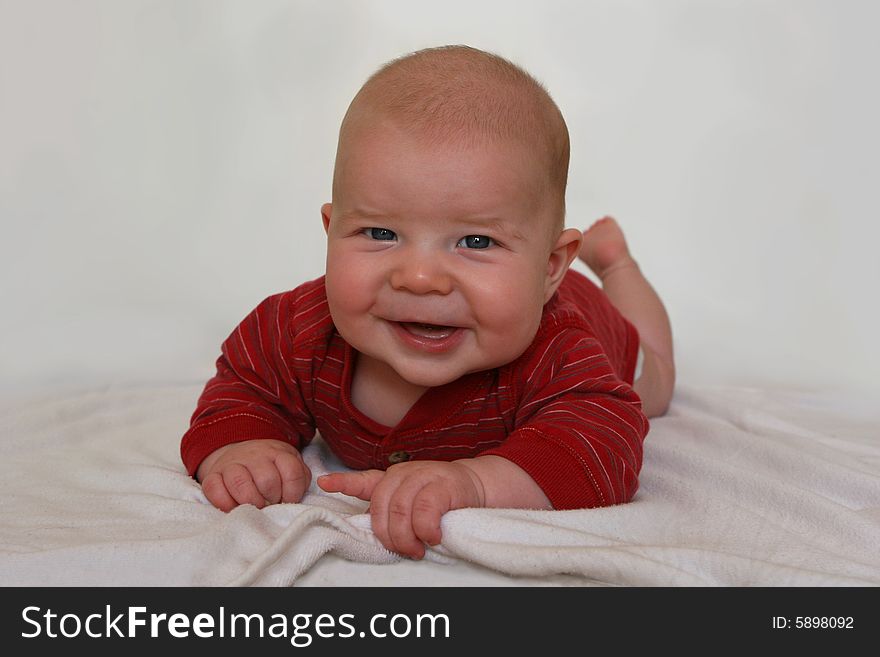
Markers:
point(739, 487)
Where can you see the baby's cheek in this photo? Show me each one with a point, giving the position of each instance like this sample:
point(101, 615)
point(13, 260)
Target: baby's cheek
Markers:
point(511, 324)
point(343, 298)
point(513, 297)
point(348, 287)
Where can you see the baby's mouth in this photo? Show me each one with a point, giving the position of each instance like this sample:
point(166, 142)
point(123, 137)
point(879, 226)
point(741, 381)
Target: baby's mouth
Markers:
point(429, 331)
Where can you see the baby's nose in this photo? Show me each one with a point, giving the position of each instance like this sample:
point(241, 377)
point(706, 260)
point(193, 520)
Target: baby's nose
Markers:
point(421, 275)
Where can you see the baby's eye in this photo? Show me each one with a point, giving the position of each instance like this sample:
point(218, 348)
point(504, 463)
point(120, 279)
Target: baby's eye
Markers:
point(476, 242)
point(381, 234)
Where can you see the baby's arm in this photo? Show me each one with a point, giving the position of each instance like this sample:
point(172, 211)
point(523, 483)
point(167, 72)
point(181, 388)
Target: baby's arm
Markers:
point(408, 500)
point(257, 472)
point(251, 419)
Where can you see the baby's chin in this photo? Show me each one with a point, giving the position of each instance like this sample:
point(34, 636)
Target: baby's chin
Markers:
point(436, 374)
point(430, 377)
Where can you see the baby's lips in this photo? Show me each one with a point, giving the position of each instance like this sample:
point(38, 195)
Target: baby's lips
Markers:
point(430, 331)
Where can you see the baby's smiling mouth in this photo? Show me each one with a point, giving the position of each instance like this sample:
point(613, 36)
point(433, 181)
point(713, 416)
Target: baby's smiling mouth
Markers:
point(429, 331)
point(427, 337)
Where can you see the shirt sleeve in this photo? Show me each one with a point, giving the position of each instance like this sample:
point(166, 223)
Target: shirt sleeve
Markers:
point(254, 394)
point(579, 429)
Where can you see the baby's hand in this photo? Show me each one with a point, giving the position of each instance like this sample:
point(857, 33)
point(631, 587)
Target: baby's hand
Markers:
point(257, 472)
point(408, 500)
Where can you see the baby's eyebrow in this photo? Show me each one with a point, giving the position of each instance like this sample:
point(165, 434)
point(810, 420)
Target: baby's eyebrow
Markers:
point(362, 213)
point(359, 216)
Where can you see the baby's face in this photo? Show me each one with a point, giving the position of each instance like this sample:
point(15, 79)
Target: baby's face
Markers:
point(437, 260)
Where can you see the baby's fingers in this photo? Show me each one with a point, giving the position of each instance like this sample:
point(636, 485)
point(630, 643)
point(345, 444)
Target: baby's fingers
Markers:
point(428, 508)
point(240, 484)
point(216, 492)
point(414, 513)
point(295, 476)
point(357, 484)
point(267, 479)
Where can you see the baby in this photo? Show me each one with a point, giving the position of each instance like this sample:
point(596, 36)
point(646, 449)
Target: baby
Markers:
point(448, 354)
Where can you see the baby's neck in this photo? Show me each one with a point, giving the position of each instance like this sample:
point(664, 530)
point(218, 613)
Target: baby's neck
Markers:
point(378, 392)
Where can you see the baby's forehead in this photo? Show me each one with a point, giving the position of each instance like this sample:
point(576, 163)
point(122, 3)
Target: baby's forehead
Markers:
point(379, 128)
point(377, 131)
point(462, 121)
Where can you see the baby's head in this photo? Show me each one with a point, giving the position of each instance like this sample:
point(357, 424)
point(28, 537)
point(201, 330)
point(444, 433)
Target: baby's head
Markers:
point(446, 231)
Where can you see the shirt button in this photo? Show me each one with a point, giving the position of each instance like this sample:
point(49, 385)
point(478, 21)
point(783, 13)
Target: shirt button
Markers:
point(398, 457)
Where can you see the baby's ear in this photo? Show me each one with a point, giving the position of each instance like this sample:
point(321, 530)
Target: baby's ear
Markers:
point(326, 211)
point(564, 252)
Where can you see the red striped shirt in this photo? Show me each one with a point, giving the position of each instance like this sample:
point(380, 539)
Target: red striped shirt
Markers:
point(564, 411)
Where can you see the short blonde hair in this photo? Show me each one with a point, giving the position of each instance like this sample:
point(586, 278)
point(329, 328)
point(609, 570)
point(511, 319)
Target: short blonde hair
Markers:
point(463, 95)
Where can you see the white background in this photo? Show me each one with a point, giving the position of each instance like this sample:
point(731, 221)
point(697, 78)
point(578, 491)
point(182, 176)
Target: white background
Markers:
point(162, 166)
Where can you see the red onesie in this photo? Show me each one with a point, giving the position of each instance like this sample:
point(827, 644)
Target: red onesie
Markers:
point(563, 411)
